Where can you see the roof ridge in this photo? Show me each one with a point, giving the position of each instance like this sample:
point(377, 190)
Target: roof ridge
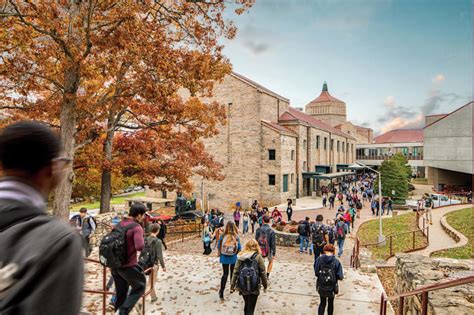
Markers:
point(258, 86)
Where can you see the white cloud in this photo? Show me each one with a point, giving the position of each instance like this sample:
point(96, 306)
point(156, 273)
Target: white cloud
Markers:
point(438, 78)
point(389, 101)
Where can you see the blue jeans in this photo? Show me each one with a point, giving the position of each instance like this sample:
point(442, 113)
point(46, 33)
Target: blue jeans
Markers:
point(246, 227)
point(340, 245)
point(304, 241)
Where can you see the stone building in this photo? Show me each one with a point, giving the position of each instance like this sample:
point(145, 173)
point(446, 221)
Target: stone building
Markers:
point(269, 151)
point(332, 111)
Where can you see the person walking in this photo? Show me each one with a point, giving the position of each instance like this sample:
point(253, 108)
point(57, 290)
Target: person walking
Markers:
point(130, 274)
point(325, 200)
point(237, 217)
point(328, 271)
point(429, 204)
point(265, 237)
point(389, 205)
point(162, 233)
point(156, 247)
point(228, 247)
point(332, 199)
point(206, 237)
point(41, 268)
point(86, 226)
point(304, 232)
point(245, 221)
point(289, 210)
point(319, 235)
point(341, 231)
point(352, 212)
point(250, 275)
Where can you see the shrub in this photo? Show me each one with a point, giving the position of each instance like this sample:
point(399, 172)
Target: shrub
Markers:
point(279, 228)
point(282, 223)
point(293, 222)
point(293, 230)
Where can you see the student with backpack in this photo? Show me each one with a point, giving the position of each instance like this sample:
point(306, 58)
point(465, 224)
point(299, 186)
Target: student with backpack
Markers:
point(237, 217)
point(325, 200)
point(228, 247)
point(331, 230)
point(151, 255)
point(319, 235)
point(41, 266)
point(328, 271)
point(332, 199)
point(304, 232)
point(341, 231)
point(352, 212)
point(245, 221)
point(118, 251)
point(206, 237)
point(265, 237)
point(86, 226)
point(250, 275)
point(289, 209)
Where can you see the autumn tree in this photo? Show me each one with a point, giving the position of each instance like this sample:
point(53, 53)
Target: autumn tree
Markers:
point(75, 64)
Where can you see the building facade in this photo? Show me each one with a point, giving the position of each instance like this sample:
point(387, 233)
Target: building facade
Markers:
point(448, 152)
point(267, 148)
point(409, 142)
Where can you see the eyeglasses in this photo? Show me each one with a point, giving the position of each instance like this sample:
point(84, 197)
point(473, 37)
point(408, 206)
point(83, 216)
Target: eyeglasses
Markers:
point(61, 163)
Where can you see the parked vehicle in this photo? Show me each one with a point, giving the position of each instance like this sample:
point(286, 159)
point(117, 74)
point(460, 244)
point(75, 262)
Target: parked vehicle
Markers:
point(442, 200)
point(189, 215)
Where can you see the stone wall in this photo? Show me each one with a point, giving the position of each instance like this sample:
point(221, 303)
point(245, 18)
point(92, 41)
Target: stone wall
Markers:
point(412, 271)
point(103, 221)
point(286, 239)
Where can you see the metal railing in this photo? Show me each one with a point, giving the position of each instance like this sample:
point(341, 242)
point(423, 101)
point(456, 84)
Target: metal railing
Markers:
point(423, 291)
point(181, 229)
point(104, 292)
point(424, 229)
point(386, 157)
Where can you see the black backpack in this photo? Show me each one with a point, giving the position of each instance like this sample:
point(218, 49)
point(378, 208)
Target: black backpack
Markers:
point(302, 229)
point(318, 235)
point(249, 276)
point(113, 247)
point(148, 255)
point(327, 278)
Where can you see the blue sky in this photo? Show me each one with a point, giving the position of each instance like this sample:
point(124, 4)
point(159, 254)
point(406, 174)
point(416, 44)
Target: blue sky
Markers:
point(392, 62)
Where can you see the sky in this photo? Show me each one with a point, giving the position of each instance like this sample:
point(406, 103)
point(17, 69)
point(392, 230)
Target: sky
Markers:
point(391, 61)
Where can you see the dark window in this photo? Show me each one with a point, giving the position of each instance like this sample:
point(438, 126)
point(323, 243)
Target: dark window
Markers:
point(317, 142)
point(332, 144)
point(292, 155)
point(325, 143)
point(285, 183)
point(304, 144)
point(164, 194)
point(271, 155)
point(337, 146)
point(343, 147)
point(271, 180)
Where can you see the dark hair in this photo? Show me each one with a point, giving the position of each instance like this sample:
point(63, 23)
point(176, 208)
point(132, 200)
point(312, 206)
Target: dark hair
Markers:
point(266, 218)
point(154, 228)
point(136, 209)
point(329, 248)
point(307, 218)
point(83, 210)
point(28, 146)
point(319, 218)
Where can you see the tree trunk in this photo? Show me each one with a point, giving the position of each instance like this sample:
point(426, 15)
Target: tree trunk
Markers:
point(68, 118)
point(106, 180)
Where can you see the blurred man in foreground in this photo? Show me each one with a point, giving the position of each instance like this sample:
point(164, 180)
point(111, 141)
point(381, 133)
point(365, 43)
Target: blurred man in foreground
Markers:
point(41, 268)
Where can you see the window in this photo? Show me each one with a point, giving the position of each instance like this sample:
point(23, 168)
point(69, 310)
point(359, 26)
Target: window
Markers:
point(343, 146)
point(292, 155)
point(304, 166)
point(332, 144)
point(338, 146)
point(164, 194)
point(317, 142)
point(292, 178)
point(271, 180)
point(271, 155)
point(304, 144)
point(325, 143)
point(285, 183)
point(348, 148)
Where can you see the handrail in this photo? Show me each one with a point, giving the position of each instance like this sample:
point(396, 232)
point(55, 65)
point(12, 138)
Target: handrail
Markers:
point(104, 292)
point(424, 294)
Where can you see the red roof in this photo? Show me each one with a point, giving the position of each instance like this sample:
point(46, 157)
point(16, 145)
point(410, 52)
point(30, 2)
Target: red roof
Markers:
point(293, 114)
point(400, 136)
point(278, 127)
point(325, 97)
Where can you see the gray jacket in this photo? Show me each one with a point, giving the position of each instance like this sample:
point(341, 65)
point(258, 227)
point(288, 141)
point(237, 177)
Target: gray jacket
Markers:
point(45, 260)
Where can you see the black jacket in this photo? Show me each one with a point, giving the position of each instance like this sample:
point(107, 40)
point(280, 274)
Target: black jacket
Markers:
point(48, 257)
point(270, 236)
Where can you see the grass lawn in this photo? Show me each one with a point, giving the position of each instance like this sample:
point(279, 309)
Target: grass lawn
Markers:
point(369, 231)
point(115, 201)
point(422, 181)
point(460, 220)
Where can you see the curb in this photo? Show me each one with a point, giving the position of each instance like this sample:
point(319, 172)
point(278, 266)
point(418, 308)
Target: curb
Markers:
point(457, 236)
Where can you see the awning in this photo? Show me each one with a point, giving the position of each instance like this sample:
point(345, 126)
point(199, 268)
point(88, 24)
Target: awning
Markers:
point(333, 175)
point(310, 174)
point(356, 167)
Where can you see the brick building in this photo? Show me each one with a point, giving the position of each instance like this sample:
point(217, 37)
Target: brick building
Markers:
point(269, 150)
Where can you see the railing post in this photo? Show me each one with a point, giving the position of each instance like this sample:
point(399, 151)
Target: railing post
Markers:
point(424, 303)
point(401, 305)
point(414, 235)
point(381, 304)
point(428, 234)
point(104, 288)
point(391, 245)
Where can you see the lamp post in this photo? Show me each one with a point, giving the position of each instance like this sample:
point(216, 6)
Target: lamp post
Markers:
point(381, 240)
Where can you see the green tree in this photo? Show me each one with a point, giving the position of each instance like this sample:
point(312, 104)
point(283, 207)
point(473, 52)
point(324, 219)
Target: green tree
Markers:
point(395, 177)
